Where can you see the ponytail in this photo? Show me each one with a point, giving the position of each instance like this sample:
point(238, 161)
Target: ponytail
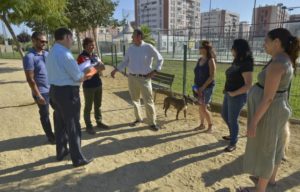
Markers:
point(293, 50)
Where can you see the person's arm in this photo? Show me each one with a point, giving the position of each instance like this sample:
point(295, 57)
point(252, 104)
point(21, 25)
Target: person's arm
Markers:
point(122, 65)
point(212, 73)
point(28, 64)
point(272, 81)
point(158, 58)
point(71, 67)
point(247, 76)
point(32, 84)
point(156, 55)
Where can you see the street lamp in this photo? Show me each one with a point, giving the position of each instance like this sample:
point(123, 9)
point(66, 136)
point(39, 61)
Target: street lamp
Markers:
point(254, 23)
point(209, 19)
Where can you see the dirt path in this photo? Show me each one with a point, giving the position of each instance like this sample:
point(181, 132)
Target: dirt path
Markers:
point(126, 159)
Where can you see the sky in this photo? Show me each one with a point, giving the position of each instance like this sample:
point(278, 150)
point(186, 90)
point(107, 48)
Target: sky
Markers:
point(243, 7)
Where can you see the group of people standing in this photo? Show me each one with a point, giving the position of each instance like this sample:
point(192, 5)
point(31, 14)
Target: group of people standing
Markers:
point(55, 78)
point(267, 101)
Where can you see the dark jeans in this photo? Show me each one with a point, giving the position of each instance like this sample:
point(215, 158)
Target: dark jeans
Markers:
point(92, 95)
point(66, 103)
point(44, 115)
point(231, 109)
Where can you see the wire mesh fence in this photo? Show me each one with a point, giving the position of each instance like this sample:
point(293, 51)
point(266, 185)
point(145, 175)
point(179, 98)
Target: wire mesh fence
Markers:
point(170, 44)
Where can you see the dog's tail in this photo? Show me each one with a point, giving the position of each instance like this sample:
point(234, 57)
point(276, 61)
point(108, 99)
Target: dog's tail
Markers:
point(287, 135)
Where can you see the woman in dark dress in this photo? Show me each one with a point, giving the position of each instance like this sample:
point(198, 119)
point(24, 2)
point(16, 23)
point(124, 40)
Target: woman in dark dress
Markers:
point(204, 83)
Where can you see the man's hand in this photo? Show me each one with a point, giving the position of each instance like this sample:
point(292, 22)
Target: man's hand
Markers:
point(113, 73)
point(100, 67)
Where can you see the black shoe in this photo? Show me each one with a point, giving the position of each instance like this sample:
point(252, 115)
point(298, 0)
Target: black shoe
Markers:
point(135, 123)
point(155, 127)
point(230, 148)
point(82, 162)
point(63, 155)
point(102, 126)
point(52, 140)
point(228, 138)
point(90, 130)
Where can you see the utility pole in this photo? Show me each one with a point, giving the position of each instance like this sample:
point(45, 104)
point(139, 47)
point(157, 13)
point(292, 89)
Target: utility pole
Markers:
point(254, 23)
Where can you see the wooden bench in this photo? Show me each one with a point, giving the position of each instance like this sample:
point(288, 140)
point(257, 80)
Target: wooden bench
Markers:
point(162, 82)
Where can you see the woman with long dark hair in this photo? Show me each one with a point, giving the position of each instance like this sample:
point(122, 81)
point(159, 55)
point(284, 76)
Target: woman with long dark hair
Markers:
point(238, 82)
point(204, 83)
point(268, 109)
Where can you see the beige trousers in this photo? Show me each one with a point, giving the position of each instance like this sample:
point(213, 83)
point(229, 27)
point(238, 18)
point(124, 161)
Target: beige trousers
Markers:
point(138, 86)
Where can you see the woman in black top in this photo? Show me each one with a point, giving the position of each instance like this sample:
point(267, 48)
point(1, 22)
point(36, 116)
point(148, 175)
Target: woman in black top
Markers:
point(204, 83)
point(238, 82)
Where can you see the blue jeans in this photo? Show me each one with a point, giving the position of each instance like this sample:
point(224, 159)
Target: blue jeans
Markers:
point(231, 109)
point(44, 115)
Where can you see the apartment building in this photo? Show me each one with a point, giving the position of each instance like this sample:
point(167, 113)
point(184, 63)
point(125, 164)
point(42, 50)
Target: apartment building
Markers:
point(244, 30)
point(267, 18)
point(170, 15)
point(219, 22)
point(294, 25)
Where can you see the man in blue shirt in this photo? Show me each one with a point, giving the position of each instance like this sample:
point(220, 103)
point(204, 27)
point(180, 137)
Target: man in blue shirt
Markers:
point(65, 77)
point(36, 76)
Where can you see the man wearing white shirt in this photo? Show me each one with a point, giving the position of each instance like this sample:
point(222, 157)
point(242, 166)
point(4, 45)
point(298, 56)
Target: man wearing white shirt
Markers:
point(138, 59)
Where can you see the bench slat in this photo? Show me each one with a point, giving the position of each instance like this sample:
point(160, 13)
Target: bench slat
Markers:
point(164, 74)
point(158, 79)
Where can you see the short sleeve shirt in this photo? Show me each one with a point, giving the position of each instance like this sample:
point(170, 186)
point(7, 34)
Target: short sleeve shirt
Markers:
point(234, 78)
point(36, 62)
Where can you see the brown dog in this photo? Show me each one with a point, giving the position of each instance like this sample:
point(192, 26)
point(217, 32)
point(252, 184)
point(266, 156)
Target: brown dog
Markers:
point(179, 104)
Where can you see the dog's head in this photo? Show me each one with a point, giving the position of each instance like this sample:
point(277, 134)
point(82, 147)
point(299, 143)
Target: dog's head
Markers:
point(188, 99)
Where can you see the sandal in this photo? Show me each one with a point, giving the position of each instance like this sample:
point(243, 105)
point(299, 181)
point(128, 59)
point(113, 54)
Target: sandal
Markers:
point(228, 138)
point(209, 129)
point(230, 148)
point(246, 189)
point(201, 127)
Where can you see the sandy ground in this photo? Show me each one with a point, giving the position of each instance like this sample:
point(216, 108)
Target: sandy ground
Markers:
point(125, 158)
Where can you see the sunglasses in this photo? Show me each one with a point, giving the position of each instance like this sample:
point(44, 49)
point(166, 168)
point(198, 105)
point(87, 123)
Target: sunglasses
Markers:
point(42, 41)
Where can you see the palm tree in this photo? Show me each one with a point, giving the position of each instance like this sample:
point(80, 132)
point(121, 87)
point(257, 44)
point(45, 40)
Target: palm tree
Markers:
point(147, 35)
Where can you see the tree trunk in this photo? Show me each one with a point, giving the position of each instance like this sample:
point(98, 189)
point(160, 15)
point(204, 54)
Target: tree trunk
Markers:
point(96, 40)
point(6, 22)
point(78, 41)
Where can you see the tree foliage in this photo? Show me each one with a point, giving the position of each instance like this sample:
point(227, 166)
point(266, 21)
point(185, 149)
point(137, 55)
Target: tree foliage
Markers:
point(23, 37)
point(38, 15)
point(147, 35)
point(47, 15)
point(89, 14)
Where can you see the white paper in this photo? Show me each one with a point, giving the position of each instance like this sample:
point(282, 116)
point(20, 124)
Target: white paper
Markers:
point(85, 65)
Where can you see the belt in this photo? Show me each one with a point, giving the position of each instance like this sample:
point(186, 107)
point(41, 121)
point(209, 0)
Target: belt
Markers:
point(262, 87)
point(64, 86)
point(138, 75)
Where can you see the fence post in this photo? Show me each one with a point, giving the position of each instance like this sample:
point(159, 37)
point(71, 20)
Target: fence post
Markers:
point(112, 54)
point(184, 69)
point(124, 51)
point(116, 55)
point(101, 52)
point(167, 42)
